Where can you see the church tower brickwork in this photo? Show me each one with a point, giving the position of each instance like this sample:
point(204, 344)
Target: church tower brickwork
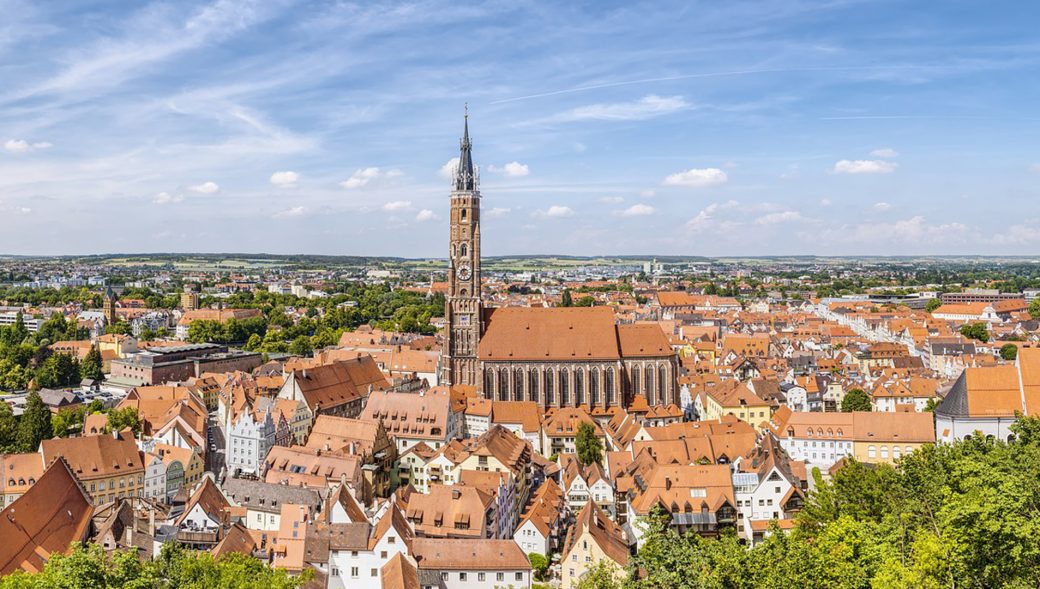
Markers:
point(463, 307)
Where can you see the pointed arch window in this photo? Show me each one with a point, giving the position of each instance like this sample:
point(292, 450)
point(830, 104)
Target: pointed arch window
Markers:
point(579, 386)
point(594, 392)
point(649, 382)
point(503, 384)
point(518, 385)
point(662, 384)
point(565, 397)
point(532, 389)
point(609, 381)
point(635, 380)
point(550, 394)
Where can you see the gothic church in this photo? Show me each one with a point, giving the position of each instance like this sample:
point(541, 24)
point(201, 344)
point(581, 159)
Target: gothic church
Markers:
point(556, 357)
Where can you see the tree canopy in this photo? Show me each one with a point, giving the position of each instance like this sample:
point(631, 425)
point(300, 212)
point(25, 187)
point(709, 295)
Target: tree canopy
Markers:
point(176, 568)
point(964, 515)
point(856, 400)
point(588, 445)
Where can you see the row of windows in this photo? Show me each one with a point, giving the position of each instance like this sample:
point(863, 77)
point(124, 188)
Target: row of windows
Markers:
point(505, 389)
point(872, 451)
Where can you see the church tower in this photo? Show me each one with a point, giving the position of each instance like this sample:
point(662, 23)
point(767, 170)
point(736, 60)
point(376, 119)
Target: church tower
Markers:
point(111, 318)
point(463, 307)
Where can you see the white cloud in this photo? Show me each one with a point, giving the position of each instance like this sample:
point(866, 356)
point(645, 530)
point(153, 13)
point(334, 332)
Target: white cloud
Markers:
point(777, 218)
point(557, 211)
point(885, 152)
point(16, 145)
point(496, 212)
point(915, 230)
point(42, 145)
point(447, 171)
point(165, 198)
point(1024, 233)
point(707, 215)
point(864, 167)
point(24, 210)
point(882, 206)
point(205, 188)
point(397, 205)
point(825, 202)
point(648, 193)
point(611, 199)
point(637, 210)
point(426, 215)
point(297, 211)
point(287, 178)
point(647, 107)
point(511, 170)
point(697, 177)
point(364, 176)
point(360, 178)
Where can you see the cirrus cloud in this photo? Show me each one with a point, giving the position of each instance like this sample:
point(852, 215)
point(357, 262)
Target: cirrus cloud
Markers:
point(297, 211)
point(885, 152)
point(697, 178)
point(647, 107)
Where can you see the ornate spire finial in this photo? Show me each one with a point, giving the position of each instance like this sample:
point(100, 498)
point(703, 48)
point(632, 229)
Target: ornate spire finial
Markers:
point(465, 174)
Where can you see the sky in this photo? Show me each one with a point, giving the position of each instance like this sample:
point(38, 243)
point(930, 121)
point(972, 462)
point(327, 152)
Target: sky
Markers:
point(778, 127)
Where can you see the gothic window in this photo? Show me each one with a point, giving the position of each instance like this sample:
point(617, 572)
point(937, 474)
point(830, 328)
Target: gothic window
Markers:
point(579, 386)
point(464, 250)
point(463, 293)
point(649, 383)
point(489, 384)
point(661, 384)
point(635, 380)
point(550, 397)
point(564, 388)
point(453, 250)
point(609, 381)
point(503, 385)
point(594, 386)
point(518, 385)
point(532, 390)
point(463, 214)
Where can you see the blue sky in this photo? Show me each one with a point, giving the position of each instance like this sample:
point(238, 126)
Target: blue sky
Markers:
point(698, 128)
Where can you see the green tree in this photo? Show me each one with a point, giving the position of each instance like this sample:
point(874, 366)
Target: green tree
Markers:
point(1009, 352)
point(67, 421)
point(567, 300)
point(588, 445)
point(602, 575)
point(856, 400)
point(932, 305)
point(58, 370)
point(301, 346)
point(91, 365)
point(127, 417)
point(1034, 308)
point(976, 331)
point(254, 342)
point(35, 424)
point(540, 564)
point(585, 301)
point(8, 429)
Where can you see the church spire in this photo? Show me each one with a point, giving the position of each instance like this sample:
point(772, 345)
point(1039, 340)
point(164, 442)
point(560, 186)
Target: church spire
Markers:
point(465, 175)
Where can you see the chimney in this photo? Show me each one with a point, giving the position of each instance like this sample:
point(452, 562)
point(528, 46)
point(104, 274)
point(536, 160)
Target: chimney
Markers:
point(456, 494)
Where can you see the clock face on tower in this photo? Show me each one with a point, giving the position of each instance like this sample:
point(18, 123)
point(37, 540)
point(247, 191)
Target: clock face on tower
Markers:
point(464, 272)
